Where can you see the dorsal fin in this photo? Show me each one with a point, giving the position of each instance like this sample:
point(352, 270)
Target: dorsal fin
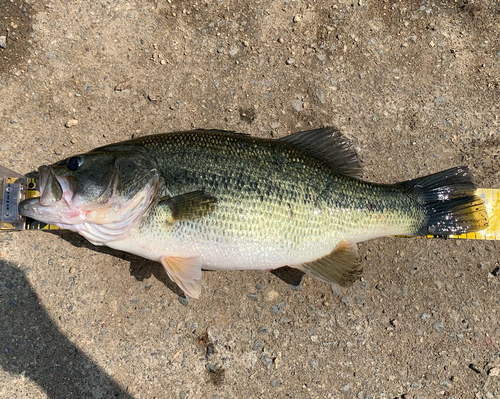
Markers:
point(330, 147)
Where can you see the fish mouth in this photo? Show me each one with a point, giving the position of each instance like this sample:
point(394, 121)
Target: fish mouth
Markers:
point(55, 188)
point(56, 193)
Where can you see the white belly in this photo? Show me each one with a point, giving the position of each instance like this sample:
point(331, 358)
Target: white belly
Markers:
point(225, 254)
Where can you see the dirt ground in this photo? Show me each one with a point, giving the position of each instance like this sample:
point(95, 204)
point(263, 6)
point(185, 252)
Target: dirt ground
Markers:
point(414, 84)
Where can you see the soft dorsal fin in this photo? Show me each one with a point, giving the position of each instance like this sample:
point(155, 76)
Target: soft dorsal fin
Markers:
point(341, 266)
point(329, 146)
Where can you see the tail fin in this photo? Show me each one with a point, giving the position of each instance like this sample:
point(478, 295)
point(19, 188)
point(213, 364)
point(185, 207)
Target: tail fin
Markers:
point(450, 203)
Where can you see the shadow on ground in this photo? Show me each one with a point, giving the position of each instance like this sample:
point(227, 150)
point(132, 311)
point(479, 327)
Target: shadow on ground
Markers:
point(32, 345)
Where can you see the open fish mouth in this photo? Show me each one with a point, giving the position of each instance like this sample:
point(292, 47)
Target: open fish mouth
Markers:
point(55, 188)
point(56, 194)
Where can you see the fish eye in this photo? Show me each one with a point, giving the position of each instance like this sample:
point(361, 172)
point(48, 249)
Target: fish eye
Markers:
point(74, 163)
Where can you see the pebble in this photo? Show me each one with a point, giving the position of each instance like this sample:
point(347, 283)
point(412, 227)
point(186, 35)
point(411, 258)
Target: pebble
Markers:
point(183, 300)
point(297, 18)
point(211, 367)
point(446, 384)
point(440, 101)
point(494, 372)
point(297, 105)
point(314, 363)
point(72, 270)
point(253, 297)
point(438, 327)
point(71, 123)
point(274, 383)
point(266, 361)
point(233, 51)
point(277, 309)
point(321, 97)
point(290, 61)
point(346, 388)
point(425, 316)
point(3, 41)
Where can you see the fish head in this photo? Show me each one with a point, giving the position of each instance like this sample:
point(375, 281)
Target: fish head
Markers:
point(112, 186)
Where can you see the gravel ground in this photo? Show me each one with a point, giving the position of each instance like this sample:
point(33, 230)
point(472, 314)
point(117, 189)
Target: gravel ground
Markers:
point(415, 86)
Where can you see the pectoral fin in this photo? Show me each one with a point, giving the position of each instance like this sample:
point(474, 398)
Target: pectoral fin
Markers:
point(341, 266)
point(185, 272)
point(193, 205)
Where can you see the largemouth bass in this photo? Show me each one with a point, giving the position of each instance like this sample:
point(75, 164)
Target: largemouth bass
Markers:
point(219, 200)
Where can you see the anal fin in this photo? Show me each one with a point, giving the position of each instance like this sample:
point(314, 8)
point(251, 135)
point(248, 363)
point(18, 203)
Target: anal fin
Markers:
point(185, 272)
point(341, 266)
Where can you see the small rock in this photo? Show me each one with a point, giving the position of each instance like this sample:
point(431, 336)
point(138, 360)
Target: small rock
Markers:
point(440, 101)
point(297, 18)
point(290, 61)
point(271, 295)
point(496, 272)
point(346, 388)
point(425, 316)
point(266, 361)
point(274, 383)
point(233, 51)
point(297, 105)
point(72, 270)
point(3, 41)
point(211, 367)
point(438, 327)
point(314, 363)
point(321, 97)
point(183, 300)
point(253, 297)
point(494, 371)
point(71, 123)
point(446, 384)
point(276, 309)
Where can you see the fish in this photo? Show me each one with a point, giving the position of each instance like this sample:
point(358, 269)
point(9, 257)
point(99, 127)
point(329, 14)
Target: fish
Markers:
point(220, 200)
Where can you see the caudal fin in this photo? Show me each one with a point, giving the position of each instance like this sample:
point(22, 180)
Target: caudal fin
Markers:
point(450, 204)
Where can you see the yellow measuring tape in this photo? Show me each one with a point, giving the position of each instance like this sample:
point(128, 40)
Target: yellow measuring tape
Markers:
point(491, 198)
point(28, 188)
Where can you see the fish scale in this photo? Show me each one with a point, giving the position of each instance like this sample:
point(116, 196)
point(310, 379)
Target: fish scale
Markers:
point(222, 200)
point(270, 208)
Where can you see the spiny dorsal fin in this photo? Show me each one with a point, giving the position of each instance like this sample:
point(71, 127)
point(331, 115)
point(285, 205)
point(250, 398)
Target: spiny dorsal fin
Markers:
point(341, 266)
point(329, 146)
point(189, 206)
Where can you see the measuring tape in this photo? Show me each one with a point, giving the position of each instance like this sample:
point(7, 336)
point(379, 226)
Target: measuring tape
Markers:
point(15, 189)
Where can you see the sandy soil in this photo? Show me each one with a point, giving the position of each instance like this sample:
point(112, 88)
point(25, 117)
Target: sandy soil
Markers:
point(414, 84)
